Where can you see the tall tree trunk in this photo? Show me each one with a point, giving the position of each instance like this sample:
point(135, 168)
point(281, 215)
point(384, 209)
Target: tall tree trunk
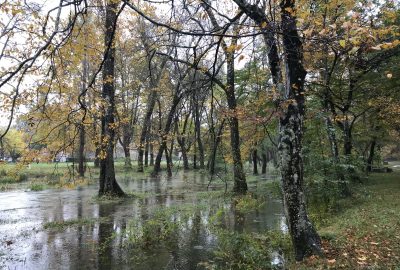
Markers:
point(213, 155)
point(304, 236)
point(239, 177)
point(371, 155)
point(264, 163)
point(81, 151)
point(82, 133)
point(198, 134)
point(185, 159)
point(97, 158)
point(255, 161)
point(157, 163)
point(332, 138)
point(1, 149)
point(168, 157)
point(151, 101)
point(182, 141)
point(194, 153)
point(127, 154)
point(108, 183)
point(164, 136)
point(348, 143)
point(125, 143)
point(146, 153)
point(151, 154)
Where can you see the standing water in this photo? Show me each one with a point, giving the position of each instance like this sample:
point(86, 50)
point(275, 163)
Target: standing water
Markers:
point(70, 229)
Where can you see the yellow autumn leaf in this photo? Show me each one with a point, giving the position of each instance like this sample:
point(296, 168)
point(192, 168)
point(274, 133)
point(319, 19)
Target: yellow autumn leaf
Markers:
point(15, 11)
point(231, 48)
point(342, 43)
point(264, 24)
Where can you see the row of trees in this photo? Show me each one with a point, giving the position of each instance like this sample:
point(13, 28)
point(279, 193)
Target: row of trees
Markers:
point(214, 80)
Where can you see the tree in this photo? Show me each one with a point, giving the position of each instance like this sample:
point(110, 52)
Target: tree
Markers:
point(108, 183)
point(304, 236)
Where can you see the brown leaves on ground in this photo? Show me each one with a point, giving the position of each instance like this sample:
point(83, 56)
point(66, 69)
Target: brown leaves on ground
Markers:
point(365, 252)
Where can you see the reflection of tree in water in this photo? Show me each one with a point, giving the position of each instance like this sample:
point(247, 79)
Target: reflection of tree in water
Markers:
point(183, 254)
point(106, 232)
point(238, 218)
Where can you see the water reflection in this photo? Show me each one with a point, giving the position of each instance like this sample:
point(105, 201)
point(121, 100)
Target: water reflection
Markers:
point(99, 243)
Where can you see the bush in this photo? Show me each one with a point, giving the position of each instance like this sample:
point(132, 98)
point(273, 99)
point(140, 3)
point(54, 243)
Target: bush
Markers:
point(327, 182)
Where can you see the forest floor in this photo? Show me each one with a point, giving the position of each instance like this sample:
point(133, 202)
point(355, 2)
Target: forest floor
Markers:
point(365, 234)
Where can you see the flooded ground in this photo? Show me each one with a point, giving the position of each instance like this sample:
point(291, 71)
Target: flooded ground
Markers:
point(104, 235)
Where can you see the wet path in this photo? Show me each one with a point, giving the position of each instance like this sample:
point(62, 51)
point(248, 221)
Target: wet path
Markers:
point(25, 244)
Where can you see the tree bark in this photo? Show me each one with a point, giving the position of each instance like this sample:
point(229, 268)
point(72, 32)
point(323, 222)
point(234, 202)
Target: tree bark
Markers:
point(264, 163)
point(81, 151)
point(151, 155)
point(127, 154)
point(239, 178)
point(304, 236)
point(167, 128)
point(96, 158)
point(255, 161)
point(182, 141)
point(1, 149)
point(198, 134)
point(305, 239)
point(151, 101)
point(185, 159)
point(82, 131)
point(213, 155)
point(108, 183)
point(371, 155)
point(146, 154)
point(168, 157)
point(348, 143)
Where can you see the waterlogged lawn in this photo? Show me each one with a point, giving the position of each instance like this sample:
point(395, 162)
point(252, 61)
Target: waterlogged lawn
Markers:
point(183, 222)
point(365, 233)
point(41, 176)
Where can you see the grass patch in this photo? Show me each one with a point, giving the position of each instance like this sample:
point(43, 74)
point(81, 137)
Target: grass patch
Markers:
point(248, 202)
point(37, 187)
point(247, 250)
point(365, 233)
point(61, 225)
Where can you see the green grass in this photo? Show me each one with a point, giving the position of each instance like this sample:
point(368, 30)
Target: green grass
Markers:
point(62, 225)
point(37, 187)
point(365, 233)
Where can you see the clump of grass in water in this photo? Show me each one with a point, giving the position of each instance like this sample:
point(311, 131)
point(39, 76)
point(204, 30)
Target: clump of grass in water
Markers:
point(37, 187)
point(247, 250)
point(248, 203)
point(162, 227)
point(60, 225)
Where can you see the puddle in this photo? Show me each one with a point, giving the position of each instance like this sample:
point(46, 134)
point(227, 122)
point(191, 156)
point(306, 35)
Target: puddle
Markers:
point(100, 244)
